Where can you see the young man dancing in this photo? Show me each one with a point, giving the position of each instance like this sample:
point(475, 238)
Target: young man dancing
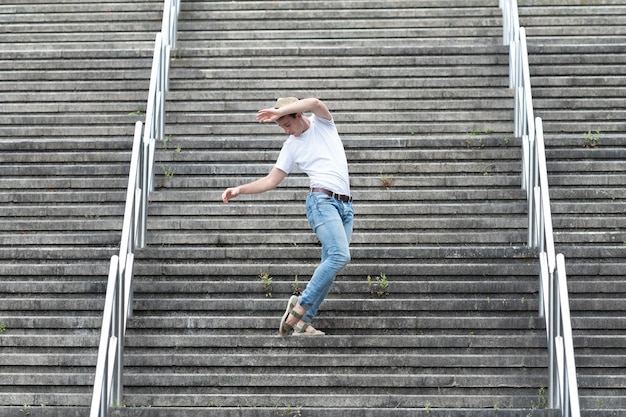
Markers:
point(314, 146)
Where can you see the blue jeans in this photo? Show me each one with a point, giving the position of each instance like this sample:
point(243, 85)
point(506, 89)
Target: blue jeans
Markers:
point(331, 220)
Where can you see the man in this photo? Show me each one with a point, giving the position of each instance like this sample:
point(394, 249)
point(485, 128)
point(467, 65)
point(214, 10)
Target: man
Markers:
point(314, 146)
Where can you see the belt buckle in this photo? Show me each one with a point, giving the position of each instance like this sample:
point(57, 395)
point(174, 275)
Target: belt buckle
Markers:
point(342, 198)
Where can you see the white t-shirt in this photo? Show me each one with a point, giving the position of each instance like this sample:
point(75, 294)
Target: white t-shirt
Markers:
point(319, 153)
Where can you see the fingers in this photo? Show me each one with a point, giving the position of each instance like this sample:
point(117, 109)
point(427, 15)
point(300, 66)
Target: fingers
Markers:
point(261, 117)
point(266, 115)
point(229, 194)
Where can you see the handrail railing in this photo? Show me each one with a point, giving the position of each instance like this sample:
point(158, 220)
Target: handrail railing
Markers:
point(510, 32)
point(553, 294)
point(554, 298)
point(108, 381)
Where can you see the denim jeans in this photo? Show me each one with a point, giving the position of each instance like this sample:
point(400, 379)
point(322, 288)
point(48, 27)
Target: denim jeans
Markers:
point(331, 220)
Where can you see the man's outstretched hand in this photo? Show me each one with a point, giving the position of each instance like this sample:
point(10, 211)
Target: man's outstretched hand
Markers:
point(229, 194)
point(267, 115)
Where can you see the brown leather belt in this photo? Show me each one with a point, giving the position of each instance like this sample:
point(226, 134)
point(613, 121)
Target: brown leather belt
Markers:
point(340, 197)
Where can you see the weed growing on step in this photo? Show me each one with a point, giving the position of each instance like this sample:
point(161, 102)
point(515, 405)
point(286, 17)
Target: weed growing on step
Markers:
point(169, 171)
point(295, 287)
point(486, 170)
point(542, 400)
point(137, 112)
point(288, 411)
point(176, 54)
point(591, 139)
point(476, 134)
point(3, 328)
point(468, 139)
point(266, 282)
point(25, 409)
point(166, 140)
point(387, 181)
point(470, 136)
point(378, 286)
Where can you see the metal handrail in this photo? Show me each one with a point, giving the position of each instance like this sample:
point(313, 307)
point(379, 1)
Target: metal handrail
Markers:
point(108, 380)
point(554, 304)
point(510, 32)
point(553, 294)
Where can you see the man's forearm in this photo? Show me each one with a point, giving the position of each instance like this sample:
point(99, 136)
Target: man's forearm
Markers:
point(311, 104)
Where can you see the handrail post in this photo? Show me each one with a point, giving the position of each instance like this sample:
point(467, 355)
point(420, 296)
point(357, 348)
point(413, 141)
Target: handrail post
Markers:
point(128, 287)
point(571, 406)
point(542, 173)
point(120, 319)
point(552, 368)
point(100, 398)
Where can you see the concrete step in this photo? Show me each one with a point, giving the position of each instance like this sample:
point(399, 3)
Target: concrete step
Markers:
point(285, 409)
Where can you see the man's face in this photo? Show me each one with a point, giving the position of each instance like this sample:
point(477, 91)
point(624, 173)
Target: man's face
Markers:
point(293, 124)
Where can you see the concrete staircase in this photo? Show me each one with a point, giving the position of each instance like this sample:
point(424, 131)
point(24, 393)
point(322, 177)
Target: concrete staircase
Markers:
point(415, 103)
point(419, 93)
